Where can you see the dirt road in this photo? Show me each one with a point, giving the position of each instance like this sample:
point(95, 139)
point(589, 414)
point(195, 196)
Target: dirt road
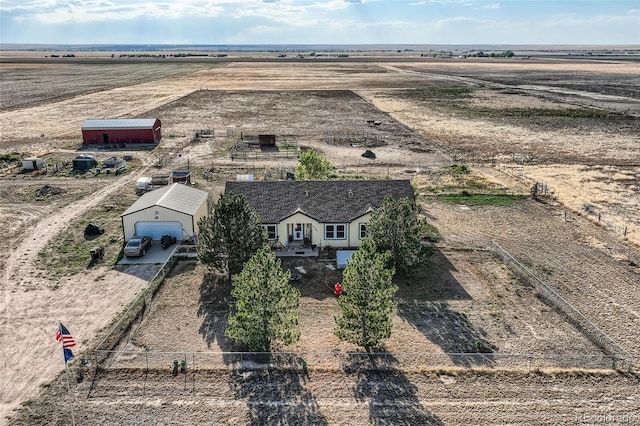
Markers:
point(32, 304)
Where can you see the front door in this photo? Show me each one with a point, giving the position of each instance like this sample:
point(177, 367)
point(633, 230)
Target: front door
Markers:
point(298, 233)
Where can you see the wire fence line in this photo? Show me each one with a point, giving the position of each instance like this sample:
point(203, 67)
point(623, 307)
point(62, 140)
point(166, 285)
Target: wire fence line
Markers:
point(586, 210)
point(136, 310)
point(112, 351)
point(588, 328)
point(255, 155)
point(181, 362)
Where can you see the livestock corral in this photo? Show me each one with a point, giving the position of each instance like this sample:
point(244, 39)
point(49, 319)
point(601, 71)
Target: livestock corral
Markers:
point(528, 312)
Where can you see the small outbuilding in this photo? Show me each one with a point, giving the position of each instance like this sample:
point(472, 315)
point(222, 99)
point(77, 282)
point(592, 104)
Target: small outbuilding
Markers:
point(267, 140)
point(32, 163)
point(181, 177)
point(84, 162)
point(171, 210)
point(122, 131)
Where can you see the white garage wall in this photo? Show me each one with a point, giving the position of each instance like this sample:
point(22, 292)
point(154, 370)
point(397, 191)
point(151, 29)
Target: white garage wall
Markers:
point(155, 214)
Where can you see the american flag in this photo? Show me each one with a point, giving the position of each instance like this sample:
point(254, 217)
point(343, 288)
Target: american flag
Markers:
point(68, 342)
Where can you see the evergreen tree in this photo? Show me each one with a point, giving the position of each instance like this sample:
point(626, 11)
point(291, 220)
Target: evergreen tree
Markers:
point(266, 304)
point(396, 227)
point(366, 302)
point(313, 166)
point(230, 235)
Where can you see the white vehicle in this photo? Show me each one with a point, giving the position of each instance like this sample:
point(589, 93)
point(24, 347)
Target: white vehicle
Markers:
point(143, 184)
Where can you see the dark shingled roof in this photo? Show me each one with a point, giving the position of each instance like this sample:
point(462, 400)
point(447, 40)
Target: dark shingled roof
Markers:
point(327, 201)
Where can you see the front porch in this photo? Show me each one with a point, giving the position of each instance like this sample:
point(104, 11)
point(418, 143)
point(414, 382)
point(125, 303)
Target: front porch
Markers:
point(292, 239)
point(296, 252)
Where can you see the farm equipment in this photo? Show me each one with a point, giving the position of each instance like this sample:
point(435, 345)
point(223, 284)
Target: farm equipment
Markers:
point(97, 254)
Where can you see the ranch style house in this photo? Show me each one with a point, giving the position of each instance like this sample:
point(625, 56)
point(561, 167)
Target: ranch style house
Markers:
point(317, 214)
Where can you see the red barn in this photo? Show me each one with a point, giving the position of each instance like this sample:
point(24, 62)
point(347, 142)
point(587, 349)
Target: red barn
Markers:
point(122, 130)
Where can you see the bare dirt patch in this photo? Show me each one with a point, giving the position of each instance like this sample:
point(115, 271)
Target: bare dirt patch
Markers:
point(31, 85)
point(561, 251)
point(463, 302)
point(340, 397)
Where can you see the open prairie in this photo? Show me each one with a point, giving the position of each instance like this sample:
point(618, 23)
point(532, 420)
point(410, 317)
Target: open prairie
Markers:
point(572, 126)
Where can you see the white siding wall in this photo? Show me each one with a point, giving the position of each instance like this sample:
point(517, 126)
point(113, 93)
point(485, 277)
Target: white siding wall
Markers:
point(317, 233)
point(354, 230)
point(316, 228)
point(202, 212)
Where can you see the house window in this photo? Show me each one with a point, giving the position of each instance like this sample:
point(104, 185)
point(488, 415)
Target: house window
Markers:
point(362, 231)
point(272, 231)
point(335, 232)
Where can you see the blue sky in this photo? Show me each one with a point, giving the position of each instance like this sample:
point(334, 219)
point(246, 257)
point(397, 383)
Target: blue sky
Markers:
point(587, 22)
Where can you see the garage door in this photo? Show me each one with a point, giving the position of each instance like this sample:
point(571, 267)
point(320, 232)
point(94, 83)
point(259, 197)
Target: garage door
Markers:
point(156, 230)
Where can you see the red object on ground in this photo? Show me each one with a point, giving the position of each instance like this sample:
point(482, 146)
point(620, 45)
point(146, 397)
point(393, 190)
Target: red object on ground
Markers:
point(337, 289)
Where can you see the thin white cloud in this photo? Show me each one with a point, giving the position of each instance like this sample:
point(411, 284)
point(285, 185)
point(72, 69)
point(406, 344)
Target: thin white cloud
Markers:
point(457, 20)
point(565, 20)
point(60, 12)
point(9, 6)
point(465, 2)
point(493, 6)
point(420, 3)
point(295, 13)
point(66, 11)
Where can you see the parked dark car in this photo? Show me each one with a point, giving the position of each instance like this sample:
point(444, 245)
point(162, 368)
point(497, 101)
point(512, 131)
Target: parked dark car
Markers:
point(138, 246)
point(167, 240)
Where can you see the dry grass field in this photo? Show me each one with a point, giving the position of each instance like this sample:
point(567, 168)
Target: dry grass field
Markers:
point(572, 125)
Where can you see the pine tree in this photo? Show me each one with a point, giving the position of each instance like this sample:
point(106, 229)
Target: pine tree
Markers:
point(313, 166)
point(396, 227)
point(230, 235)
point(266, 304)
point(366, 302)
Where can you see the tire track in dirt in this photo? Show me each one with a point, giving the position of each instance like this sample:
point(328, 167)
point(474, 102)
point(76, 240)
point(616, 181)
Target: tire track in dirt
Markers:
point(361, 397)
point(28, 297)
point(567, 96)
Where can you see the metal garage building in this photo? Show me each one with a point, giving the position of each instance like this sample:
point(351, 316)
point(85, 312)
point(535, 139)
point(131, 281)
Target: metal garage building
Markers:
point(122, 130)
point(171, 210)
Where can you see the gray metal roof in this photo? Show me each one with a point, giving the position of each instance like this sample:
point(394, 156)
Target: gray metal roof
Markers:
point(178, 197)
point(327, 201)
point(118, 123)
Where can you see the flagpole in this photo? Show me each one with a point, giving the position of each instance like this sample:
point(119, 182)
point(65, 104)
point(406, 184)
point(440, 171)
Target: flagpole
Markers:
point(66, 369)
